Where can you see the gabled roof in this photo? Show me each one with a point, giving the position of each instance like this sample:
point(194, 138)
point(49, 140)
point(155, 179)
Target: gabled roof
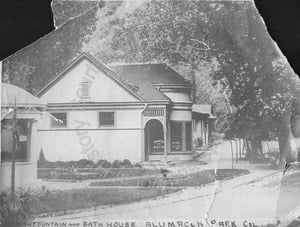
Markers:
point(145, 75)
point(138, 79)
point(36, 66)
point(100, 65)
point(151, 73)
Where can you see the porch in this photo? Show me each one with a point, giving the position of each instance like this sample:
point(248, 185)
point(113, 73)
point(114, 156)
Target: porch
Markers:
point(167, 136)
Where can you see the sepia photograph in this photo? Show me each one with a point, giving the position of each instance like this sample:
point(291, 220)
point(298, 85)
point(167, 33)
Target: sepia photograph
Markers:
point(149, 113)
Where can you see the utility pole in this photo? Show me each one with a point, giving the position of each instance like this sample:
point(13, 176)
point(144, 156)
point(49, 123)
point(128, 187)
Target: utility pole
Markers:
point(13, 166)
point(14, 204)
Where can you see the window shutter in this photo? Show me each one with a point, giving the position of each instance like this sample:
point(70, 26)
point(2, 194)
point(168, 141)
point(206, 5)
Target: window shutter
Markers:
point(85, 89)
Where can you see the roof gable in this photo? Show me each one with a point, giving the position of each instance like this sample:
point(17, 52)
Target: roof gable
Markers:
point(138, 79)
point(37, 66)
point(99, 65)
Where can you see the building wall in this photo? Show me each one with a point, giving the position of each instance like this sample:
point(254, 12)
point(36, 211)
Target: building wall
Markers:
point(84, 139)
point(201, 130)
point(25, 175)
point(181, 115)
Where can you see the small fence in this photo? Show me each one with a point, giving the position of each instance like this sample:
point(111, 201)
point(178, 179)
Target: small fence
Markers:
point(240, 150)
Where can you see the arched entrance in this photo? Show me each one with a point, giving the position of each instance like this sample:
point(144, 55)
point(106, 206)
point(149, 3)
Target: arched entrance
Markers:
point(154, 138)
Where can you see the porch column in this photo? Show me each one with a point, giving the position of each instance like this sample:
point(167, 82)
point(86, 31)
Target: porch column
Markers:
point(165, 134)
point(183, 136)
point(165, 142)
point(143, 144)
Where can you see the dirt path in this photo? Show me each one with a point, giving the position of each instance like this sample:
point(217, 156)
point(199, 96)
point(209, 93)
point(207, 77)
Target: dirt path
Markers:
point(252, 198)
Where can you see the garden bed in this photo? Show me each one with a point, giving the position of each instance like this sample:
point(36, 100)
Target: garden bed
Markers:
point(195, 179)
point(93, 173)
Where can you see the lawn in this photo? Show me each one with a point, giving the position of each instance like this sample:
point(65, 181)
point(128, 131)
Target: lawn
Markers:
point(63, 201)
point(291, 181)
point(194, 179)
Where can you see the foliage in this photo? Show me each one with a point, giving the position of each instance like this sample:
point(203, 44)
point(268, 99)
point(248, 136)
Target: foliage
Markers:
point(193, 179)
point(93, 173)
point(224, 48)
point(84, 163)
point(43, 200)
point(168, 31)
point(15, 213)
point(42, 156)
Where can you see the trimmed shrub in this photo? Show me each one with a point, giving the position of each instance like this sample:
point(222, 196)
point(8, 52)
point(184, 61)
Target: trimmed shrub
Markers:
point(116, 164)
point(126, 164)
point(103, 164)
point(84, 163)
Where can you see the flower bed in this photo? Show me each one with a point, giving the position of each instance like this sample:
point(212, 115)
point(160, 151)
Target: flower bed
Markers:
point(93, 173)
point(194, 179)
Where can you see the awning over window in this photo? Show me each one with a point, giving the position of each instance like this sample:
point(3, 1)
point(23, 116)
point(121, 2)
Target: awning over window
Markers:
point(203, 110)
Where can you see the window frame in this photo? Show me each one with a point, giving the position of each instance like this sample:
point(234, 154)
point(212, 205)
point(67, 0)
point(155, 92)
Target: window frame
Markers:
point(107, 126)
point(58, 112)
point(190, 136)
point(28, 143)
point(180, 136)
point(184, 143)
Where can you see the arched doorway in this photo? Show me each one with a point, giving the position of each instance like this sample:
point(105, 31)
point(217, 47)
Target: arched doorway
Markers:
point(154, 138)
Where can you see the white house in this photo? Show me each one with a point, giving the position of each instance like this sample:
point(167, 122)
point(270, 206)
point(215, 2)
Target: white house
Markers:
point(29, 109)
point(138, 112)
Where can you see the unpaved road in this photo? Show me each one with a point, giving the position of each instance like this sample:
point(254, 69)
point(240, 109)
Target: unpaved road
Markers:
point(260, 197)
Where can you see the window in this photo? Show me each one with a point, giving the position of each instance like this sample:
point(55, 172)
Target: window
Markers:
point(22, 139)
point(106, 119)
point(58, 120)
point(188, 136)
point(181, 136)
point(176, 136)
point(84, 90)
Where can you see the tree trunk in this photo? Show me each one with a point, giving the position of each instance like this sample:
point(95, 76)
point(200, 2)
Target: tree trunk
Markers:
point(194, 95)
point(284, 144)
point(284, 141)
point(256, 149)
point(248, 149)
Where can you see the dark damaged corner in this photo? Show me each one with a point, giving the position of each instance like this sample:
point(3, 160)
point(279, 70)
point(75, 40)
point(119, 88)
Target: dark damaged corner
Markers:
point(35, 64)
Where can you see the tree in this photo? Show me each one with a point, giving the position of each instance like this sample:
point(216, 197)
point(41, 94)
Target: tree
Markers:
point(223, 48)
point(160, 31)
point(42, 156)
